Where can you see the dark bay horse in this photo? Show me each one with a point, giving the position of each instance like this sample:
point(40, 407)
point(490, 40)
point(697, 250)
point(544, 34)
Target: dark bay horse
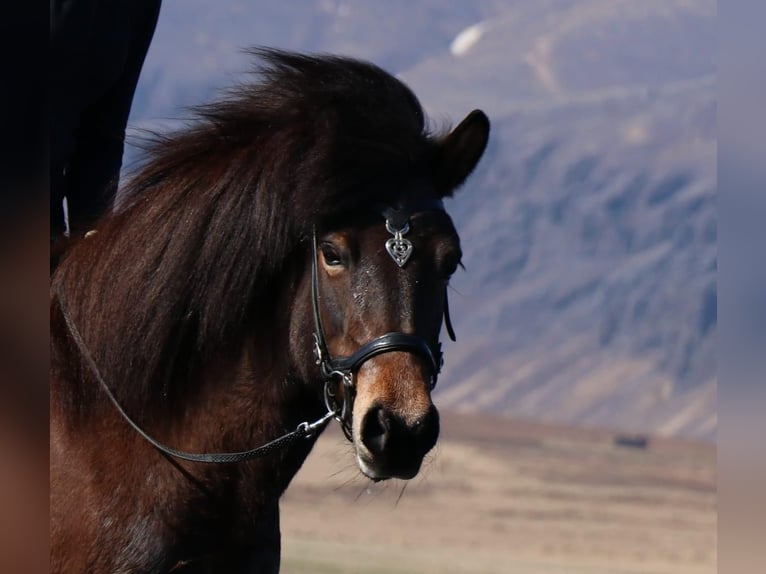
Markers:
point(281, 261)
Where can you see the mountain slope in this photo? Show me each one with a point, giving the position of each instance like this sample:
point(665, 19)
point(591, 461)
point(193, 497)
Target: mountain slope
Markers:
point(590, 229)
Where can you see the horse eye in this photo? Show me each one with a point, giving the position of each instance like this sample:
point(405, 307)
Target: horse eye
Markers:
point(331, 256)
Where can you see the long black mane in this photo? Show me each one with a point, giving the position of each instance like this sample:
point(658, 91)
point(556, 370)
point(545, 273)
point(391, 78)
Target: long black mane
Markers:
point(218, 209)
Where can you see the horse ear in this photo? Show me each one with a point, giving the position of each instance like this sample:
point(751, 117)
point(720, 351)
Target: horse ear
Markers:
point(460, 151)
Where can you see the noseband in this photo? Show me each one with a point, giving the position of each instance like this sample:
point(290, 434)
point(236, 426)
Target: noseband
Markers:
point(343, 369)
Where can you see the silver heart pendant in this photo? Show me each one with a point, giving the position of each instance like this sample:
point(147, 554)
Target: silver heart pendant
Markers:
point(399, 249)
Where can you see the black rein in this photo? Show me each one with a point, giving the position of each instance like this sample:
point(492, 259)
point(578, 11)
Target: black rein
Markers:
point(303, 430)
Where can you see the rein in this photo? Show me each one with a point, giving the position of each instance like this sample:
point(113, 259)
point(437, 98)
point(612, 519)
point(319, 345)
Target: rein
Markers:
point(303, 430)
point(343, 368)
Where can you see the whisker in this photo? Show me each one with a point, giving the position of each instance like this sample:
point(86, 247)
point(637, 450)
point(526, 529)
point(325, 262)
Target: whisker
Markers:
point(361, 492)
point(401, 493)
point(347, 482)
point(379, 487)
point(342, 469)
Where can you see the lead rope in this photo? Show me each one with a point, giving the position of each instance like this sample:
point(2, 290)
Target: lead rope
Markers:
point(303, 430)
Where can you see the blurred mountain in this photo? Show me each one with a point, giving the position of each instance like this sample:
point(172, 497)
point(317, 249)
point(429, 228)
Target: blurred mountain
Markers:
point(589, 229)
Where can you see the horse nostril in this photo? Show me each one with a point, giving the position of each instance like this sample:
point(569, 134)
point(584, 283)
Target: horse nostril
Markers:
point(376, 429)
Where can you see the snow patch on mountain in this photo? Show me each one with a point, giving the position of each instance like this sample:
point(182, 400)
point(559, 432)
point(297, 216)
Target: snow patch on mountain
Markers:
point(467, 39)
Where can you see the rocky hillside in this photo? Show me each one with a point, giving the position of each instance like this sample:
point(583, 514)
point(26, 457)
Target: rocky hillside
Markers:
point(590, 229)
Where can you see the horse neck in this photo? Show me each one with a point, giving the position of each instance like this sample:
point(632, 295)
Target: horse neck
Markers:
point(259, 390)
point(269, 386)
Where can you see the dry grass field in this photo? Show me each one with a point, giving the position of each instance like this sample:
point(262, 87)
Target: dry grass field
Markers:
point(499, 496)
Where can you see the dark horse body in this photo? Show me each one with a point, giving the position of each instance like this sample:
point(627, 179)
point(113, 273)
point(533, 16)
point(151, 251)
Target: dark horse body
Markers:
point(194, 301)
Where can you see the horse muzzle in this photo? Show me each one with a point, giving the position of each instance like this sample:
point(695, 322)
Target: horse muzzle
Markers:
point(389, 446)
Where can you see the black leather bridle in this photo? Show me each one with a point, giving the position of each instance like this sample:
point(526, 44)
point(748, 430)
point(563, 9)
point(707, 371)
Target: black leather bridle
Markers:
point(343, 369)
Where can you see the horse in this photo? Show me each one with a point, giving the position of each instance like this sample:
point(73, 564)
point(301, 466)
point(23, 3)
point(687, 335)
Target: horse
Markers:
point(280, 261)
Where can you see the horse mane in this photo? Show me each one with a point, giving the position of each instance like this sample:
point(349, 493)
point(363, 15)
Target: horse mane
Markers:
point(193, 255)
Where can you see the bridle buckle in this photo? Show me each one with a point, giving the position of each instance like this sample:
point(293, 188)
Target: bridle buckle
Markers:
point(318, 355)
point(341, 409)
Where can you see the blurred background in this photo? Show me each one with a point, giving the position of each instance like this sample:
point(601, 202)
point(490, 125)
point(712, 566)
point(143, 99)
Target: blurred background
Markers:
point(580, 401)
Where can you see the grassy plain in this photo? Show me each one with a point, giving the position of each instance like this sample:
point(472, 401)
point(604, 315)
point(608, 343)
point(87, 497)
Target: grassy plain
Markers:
point(507, 496)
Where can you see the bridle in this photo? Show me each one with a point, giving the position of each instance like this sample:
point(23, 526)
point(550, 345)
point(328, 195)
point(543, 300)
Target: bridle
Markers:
point(331, 368)
point(343, 369)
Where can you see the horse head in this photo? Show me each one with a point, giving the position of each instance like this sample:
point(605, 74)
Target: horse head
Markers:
point(379, 279)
